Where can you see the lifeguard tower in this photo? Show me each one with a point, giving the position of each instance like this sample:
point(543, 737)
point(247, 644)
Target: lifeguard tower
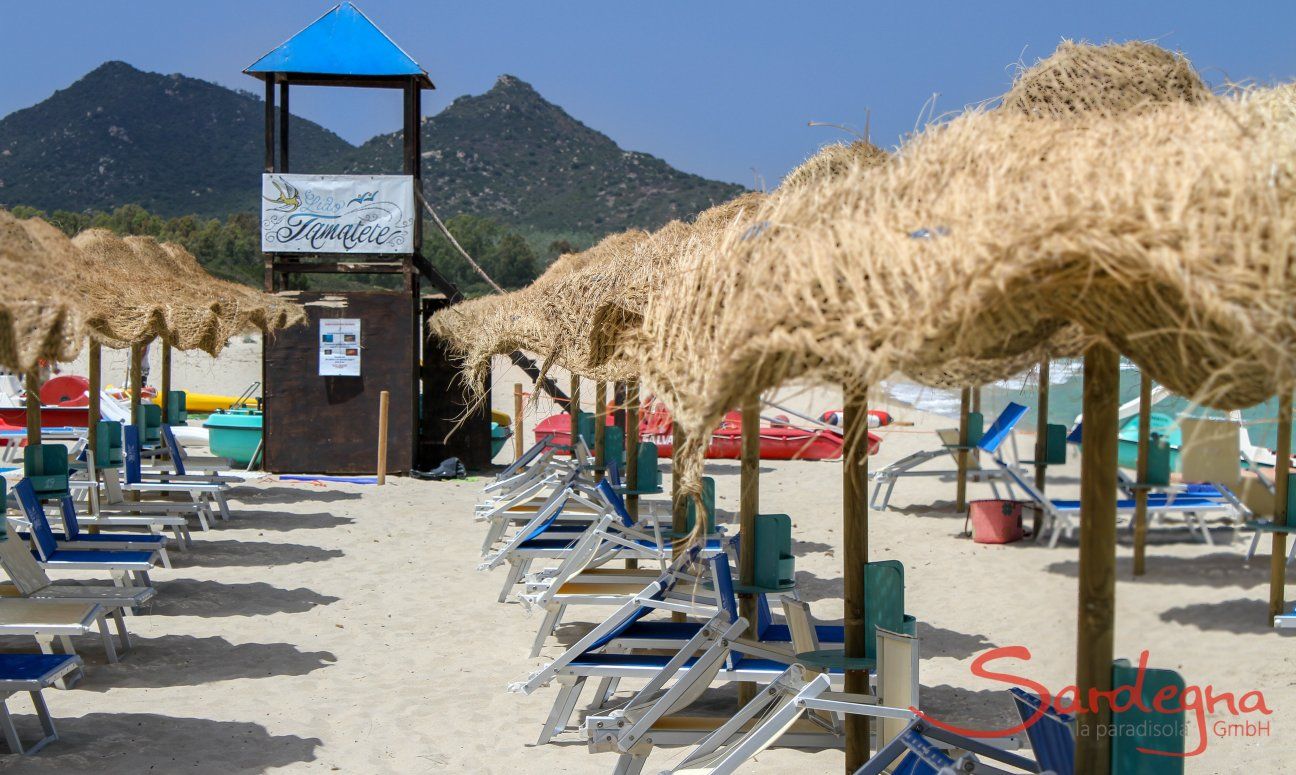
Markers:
point(322, 381)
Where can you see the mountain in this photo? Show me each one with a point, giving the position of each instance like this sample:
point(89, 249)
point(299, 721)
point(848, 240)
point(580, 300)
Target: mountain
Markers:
point(513, 156)
point(178, 145)
point(172, 144)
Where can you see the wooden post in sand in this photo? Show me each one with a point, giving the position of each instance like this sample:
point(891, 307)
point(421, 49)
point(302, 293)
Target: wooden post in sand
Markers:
point(573, 409)
point(748, 507)
point(854, 556)
point(165, 390)
point(600, 428)
point(33, 404)
point(94, 364)
point(960, 498)
point(679, 509)
point(1282, 463)
point(632, 455)
point(517, 420)
point(136, 378)
point(1141, 474)
point(1041, 440)
point(384, 398)
point(1097, 580)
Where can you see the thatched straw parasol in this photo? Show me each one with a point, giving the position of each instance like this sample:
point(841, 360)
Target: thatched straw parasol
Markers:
point(41, 315)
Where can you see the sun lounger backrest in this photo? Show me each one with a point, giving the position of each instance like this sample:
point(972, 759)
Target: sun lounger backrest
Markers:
point(23, 570)
point(1001, 427)
point(1051, 738)
point(897, 678)
point(71, 528)
point(800, 626)
point(555, 510)
point(615, 500)
point(1209, 452)
point(1133, 728)
point(173, 448)
point(723, 581)
point(131, 453)
point(883, 601)
point(666, 581)
point(35, 513)
point(527, 457)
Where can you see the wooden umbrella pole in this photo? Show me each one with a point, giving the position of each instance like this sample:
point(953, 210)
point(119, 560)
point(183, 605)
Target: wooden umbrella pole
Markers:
point(855, 555)
point(573, 409)
point(600, 428)
point(166, 380)
point(748, 507)
point(1097, 580)
point(632, 455)
point(960, 500)
point(136, 376)
point(1278, 559)
point(1141, 472)
point(679, 509)
point(33, 404)
point(1041, 441)
point(517, 420)
point(94, 364)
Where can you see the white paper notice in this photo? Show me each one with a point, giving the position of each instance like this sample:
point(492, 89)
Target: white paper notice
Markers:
point(339, 347)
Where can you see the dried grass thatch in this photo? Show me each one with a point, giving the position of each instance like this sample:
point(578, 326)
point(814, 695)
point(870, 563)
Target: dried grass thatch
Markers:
point(1167, 235)
point(143, 290)
point(1080, 80)
point(41, 315)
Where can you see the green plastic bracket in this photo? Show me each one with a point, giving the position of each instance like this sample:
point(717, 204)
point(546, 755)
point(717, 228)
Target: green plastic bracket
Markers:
point(1158, 470)
point(1055, 445)
point(976, 428)
point(775, 567)
point(1134, 728)
point(177, 408)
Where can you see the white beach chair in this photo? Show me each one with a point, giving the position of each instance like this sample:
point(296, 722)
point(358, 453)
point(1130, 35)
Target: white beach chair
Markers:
point(909, 467)
point(31, 673)
point(1062, 515)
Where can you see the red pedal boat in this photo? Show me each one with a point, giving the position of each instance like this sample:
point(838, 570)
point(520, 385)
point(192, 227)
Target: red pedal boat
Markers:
point(779, 440)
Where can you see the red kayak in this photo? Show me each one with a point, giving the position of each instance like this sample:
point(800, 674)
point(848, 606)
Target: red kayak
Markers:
point(778, 440)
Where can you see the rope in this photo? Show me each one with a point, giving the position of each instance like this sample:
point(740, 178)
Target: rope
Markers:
point(437, 219)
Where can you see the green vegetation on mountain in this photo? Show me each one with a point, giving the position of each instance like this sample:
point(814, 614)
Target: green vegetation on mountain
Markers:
point(180, 146)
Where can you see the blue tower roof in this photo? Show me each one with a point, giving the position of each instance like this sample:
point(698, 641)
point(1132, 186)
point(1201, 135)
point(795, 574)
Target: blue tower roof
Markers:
point(342, 45)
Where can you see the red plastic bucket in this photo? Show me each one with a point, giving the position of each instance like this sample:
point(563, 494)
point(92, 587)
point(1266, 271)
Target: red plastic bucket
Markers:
point(996, 521)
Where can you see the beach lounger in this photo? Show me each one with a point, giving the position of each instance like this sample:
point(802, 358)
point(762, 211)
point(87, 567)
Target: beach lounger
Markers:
point(136, 482)
point(28, 580)
point(72, 537)
point(909, 466)
point(32, 673)
point(115, 511)
point(126, 568)
point(175, 468)
point(797, 709)
point(1062, 515)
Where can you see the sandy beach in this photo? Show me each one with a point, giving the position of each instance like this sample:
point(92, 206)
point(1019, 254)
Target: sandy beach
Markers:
point(334, 627)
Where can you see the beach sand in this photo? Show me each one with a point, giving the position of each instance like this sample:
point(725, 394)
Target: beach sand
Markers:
point(334, 627)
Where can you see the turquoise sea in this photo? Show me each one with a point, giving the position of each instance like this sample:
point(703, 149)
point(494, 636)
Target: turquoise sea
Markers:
point(1065, 393)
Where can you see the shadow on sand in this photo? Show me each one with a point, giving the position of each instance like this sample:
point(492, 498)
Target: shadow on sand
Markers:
point(255, 495)
point(222, 554)
point(186, 660)
point(1222, 569)
point(210, 599)
point(148, 742)
point(285, 521)
point(1237, 616)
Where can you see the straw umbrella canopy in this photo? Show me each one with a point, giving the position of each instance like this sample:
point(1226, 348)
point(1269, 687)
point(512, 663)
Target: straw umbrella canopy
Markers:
point(479, 329)
point(41, 315)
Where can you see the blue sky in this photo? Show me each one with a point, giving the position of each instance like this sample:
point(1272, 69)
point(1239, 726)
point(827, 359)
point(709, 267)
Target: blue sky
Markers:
point(724, 89)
